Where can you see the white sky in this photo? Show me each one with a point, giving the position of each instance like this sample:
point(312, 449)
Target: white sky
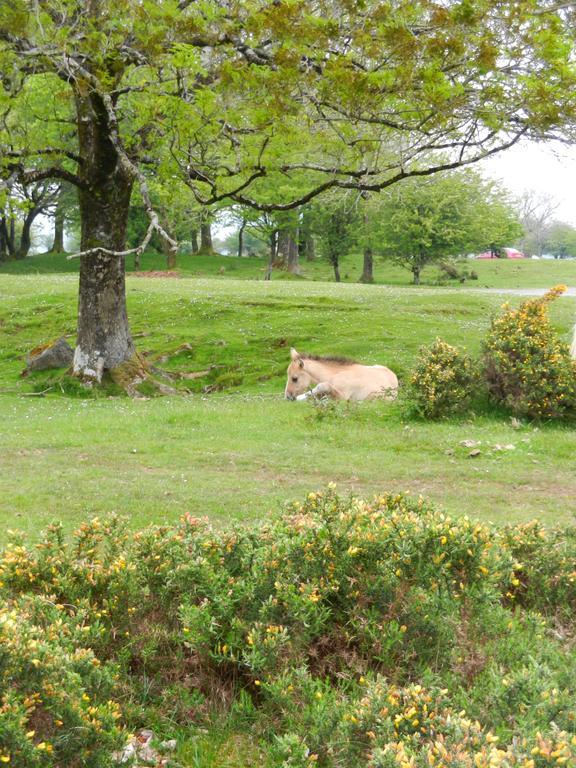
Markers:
point(547, 169)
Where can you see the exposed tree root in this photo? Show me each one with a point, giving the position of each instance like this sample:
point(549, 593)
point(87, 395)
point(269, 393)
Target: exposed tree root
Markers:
point(136, 378)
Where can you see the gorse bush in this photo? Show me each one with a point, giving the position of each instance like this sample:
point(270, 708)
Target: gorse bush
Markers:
point(390, 726)
point(54, 705)
point(528, 368)
point(544, 575)
point(355, 631)
point(443, 383)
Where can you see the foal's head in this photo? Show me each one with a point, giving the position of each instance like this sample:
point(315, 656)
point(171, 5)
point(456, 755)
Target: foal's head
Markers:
point(298, 380)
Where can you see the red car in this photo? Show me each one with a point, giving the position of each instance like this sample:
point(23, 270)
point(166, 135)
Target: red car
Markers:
point(506, 253)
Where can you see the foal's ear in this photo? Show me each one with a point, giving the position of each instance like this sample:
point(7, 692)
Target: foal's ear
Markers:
point(294, 355)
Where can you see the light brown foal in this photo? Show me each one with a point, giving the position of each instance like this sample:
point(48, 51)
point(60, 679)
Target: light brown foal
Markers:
point(336, 377)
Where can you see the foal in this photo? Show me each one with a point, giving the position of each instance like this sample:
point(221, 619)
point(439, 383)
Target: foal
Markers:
point(337, 377)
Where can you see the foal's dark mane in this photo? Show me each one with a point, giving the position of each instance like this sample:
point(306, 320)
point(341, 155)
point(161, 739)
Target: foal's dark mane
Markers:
point(329, 359)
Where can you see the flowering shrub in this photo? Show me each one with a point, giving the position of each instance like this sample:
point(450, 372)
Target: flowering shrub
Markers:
point(528, 369)
point(544, 575)
point(382, 725)
point(54, 705)
point(327, 620)
point(443, 383)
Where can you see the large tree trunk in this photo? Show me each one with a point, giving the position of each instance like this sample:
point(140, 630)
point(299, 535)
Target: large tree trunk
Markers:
point(58, 243)
point(104, 340)
point(367, 275)
point(416, 274)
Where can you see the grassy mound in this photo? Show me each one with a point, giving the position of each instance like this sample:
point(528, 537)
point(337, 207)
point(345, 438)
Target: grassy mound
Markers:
point(344, 632)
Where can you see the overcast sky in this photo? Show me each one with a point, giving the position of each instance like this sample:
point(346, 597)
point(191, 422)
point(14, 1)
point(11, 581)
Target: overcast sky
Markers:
point(545, 168)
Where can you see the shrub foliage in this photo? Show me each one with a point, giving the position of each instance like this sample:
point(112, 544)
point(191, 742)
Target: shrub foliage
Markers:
point(443, 383)
point(528, 368)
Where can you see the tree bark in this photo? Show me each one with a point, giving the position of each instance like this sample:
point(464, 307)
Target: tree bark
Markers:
point(367, 275)
point(416, 274)
point(58, 243)
point(104, 340)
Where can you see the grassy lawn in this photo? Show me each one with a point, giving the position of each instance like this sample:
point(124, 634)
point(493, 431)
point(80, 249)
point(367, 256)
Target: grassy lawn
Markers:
point(239, 450)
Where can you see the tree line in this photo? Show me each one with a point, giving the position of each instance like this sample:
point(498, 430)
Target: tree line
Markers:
point(419, 223)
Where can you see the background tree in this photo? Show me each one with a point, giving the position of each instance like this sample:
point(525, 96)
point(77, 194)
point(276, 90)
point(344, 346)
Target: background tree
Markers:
point(537, 215)
point(336, 220)
point(561, 240)
point(233, 98)
point(426, 221)
point(64, 216)
point(21, 210)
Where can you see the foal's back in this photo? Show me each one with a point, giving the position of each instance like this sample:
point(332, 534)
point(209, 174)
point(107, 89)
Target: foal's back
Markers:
point(361, 382)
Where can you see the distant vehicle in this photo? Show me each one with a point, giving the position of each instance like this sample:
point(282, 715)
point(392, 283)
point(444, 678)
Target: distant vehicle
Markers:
point(505, 253)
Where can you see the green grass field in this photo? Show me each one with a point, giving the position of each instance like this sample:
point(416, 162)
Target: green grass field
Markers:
point(234, 449)
point(491, 274)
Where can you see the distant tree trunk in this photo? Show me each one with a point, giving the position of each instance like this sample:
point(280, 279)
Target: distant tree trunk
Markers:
point(272, 254)
point(287, 250)
point(58, 243)
point(241, 238)
point(194, 240)
point(206, 245)
point(170, 254)
point(11, 238)
point(336, 265)
point(293, 262)
point(306, 239)
point(416, 269)
point(25, 238)
point(367, 275)
point(4, 252)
